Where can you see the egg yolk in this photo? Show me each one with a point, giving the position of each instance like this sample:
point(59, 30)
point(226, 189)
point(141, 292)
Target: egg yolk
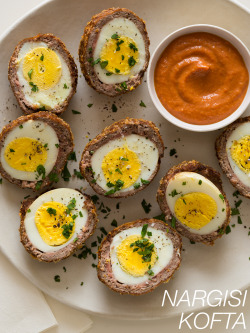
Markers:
point(121, 164)
point(195, 210)
point(240, 152)
point(42, 68)
point(130, 260)
point(53, 224)
point(25, 154)
point(119, 55)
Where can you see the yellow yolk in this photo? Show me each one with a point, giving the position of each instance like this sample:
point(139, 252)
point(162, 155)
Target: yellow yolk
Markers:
point(42, 68)
point(240, 152)
point(123, 164)
point(131, 261)
point(119, 55)
point(25, 154)
point(49, 219)
point(195, 210)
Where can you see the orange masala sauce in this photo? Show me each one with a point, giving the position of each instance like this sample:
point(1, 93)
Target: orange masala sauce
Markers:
point(201, 78)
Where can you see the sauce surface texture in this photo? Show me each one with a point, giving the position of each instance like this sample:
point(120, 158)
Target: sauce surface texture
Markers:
point(201, 78)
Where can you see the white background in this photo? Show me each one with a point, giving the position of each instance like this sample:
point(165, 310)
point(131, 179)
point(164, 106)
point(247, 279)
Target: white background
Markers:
point(11, 10)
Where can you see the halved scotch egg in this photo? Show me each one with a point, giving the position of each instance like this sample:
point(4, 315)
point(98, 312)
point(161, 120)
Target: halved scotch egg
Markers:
point(34, 150)
point(42, 74)
point(124, 158)
point(192, 198)
point(233, 152)
point(56, 224)
point(138, 256)
point(114, 51)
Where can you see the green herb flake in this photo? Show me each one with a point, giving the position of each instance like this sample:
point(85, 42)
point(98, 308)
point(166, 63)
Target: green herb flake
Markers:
point(78, 174)
point(57, 145)
point(172, 152)
point(150, 272)
point(64, 268)
point(103, 230)
point(133, 47)
point(94, 198)
point(114, 223)
point(38, 185)
point(65, 86)
point(57, 278)
point(136, 185)
point(41, 171)
point(117, 70)
point(76, 112)
point(142, 104)
point(118, 170)
point(146, 206)
point(173, 193)
point(20, 126)
point(124, 159)
point(67, 229)
point(235, 211)
point(30, 73)
point(222, 197)
point(65, 173)
point(71, 206)
point(95, 62)
point(72, 156)
point(239, 220)
point(115, 36)
point(228, 229)
point(94, 244)
point(42, 57)
point(192, 242)
point(34, 87)
point(114, 108)
point(75, 240)
point(53, 177)
point(144, 230)
point(160, 217)
point(124, 85)
point(145, 182)
point(123, 57)
point(173, 222)
point(81, 284)
point(200, 182)
point(28, 210)
point(131, 61)
point(236, 194)
point(238, 203)
point(184, 183)
point(12, 150)
point(109, 74)
point(51, 211)
point(104, 64)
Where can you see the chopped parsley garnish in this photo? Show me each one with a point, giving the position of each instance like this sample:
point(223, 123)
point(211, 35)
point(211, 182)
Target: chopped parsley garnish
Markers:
point(144, 230)
point(90, 49)
point(76, 112)
point(109, 73)
point(53, 177)
point(131, 61)
point(104, 64)
point(41, 171)
point(118, 170)
point(142, 104)
point(65, 86)
point(51, 211)
point(72, 156)
point(117, 70)
point(150, 272)
point(222, 197)
point(64, 268)
point(143, 246)
point(173, 222)
point(123, 57)
point(20, 126)
point(239, 220)
point(93, 181)
point(184, 183)
point(192, 242)
point(12, 150)
point(80, 213)
point(42, 57)
point(118, 44)
point(235, 211)
point(38, 185)
point(236, 194)
point(124, 85)
point(238, 203)
point(114, 223)
point(71, 206)
point(78, 174)
point(228, 229)
point(115, 36)
point(57, 145)
point(133, 47)
point(136, 185)
point(200, 182)
point(123, 159)
point(116, 187)
point(67, 229)
point(42, 108)
point(65, 173)
point(173, 193)
point(144, 182)
point(172, 152)
point(81, 284)
point(103, 230)
point(114, 108)
point(28, 210)
point(94, 198)
point(95, 62)
point(57, 278)
point(89, 105)
point(146, 206)
point(30, 73)
point(94, 244)
point(160, 217)
point(34, 86)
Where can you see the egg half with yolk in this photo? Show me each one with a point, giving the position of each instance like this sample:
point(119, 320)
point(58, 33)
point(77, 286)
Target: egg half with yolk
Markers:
point(55, 224)
point(45, 72)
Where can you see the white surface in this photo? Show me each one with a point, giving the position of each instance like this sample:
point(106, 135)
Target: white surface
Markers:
point(34, 314)
point(223, 33)
point(106, 325)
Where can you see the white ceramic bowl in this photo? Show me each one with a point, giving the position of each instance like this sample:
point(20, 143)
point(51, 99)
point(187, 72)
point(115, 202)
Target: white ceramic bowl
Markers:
point(243, 50)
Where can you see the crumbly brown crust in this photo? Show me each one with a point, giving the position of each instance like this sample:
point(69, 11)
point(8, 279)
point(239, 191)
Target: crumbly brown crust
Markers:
point(221, 153)
point(88, 43)
point(66, 146)
point(214, 177)
point(68, 250)
point(53, 43)
point(119, 129)
point(104, 268)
